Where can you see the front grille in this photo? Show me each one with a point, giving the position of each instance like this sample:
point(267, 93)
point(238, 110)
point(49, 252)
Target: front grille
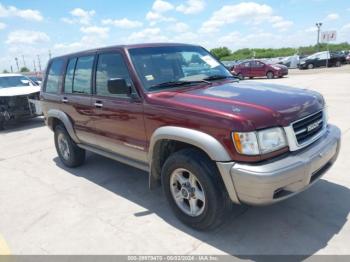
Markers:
point(308, 127)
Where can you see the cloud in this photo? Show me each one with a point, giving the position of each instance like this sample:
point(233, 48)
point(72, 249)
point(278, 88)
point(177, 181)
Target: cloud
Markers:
point(249, 12)
point(345, 27)
point(95, 30)
point(332, 17)
point(191, 7)
point(122, 23)
point(2, 26)
point(28, 14)
point(179, 27)
point(156, 14)
point(161, 6)
point(27, 37)
point(280, 23)
point(80, 16)
point(311, 29)
point(151, 34)
point(228, 14)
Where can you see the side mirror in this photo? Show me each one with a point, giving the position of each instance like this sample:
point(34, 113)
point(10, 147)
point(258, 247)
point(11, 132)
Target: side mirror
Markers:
point(118, 86)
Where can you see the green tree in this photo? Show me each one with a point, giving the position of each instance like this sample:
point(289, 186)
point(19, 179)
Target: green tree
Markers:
point(24, 69)
point(221, 52)
point(5, 71)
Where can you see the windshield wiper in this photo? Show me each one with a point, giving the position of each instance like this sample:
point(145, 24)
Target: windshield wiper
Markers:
point(217, 77)
point(177, 83)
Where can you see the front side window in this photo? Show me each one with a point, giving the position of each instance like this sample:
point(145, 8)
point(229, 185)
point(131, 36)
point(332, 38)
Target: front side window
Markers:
point(54, 76)
point(82, 75)
point(169, 64)
point(110, 66)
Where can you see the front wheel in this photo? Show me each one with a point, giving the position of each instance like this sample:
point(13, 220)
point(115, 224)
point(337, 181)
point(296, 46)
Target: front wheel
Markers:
point(69, 153)
point(270, 75)
point(310, 66)
point(240, 76)
point(194, 189)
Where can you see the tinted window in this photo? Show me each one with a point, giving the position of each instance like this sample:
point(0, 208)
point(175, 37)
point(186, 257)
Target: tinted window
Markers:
point(110, 66)
point(82, 75)
point(161, 65)
point(68, 82)
point(14, 81)
point(54, 75)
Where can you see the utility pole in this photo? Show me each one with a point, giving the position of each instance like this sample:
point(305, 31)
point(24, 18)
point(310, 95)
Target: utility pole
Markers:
point(39, 64)
point(24, 61)
point(318, 25)
point(49, 54)
point(34, 66)
point(11, 69)
point(16, 59)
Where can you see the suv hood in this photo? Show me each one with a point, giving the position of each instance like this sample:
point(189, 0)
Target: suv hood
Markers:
point(253, 104)
point(19, 90)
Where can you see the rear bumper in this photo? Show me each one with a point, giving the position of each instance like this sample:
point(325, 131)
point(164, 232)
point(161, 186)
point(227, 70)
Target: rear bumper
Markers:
point(267, 183)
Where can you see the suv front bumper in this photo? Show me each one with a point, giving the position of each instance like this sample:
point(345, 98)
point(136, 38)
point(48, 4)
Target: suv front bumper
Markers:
point(270, 182)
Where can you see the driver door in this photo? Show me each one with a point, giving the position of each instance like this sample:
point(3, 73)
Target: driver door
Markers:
point(118, 118)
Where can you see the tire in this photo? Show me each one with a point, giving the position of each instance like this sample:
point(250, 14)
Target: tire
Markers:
point(338, 64)
point(310, 66)
point(2, 125)
point(240, 76)
point(208, 183)
point(270, 75)
point(75, 156)
point(251, 77)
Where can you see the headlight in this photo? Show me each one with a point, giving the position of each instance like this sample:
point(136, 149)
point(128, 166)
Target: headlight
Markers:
point(276, 68)
point(260, 142)
point(302, 62)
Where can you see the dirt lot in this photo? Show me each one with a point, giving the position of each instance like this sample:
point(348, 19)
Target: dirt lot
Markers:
point(105, 207)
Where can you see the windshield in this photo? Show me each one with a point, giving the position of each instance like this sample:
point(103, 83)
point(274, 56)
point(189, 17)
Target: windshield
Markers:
point(175, 64)
point(14, 81)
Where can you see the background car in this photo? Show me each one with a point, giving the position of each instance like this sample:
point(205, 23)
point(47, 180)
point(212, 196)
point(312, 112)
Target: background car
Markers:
point(322, 59)
point(16, 93)
point(258, 68)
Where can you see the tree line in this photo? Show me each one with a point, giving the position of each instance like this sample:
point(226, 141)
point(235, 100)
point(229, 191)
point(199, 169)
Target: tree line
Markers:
point(225, 54)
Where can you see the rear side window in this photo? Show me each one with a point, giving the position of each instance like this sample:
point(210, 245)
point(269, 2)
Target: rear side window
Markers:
point(54, 76)
point(82, 75)
point(68, 81)
point(110, 66)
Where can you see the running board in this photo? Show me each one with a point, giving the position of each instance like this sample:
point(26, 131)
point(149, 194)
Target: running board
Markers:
point(117, 157)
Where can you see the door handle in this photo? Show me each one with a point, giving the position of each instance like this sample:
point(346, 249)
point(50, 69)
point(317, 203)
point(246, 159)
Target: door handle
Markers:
point(64, 100)
point(98, 104)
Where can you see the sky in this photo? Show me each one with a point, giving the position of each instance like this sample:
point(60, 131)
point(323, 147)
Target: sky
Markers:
point(32, 29)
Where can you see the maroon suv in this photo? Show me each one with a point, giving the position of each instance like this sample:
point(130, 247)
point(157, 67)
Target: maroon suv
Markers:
point(257, 68)
point(176, 112)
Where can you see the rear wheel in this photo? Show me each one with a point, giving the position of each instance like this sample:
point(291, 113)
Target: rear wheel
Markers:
point(310, 66)
point(69, 153)
point(270, 75)
point(194, 189)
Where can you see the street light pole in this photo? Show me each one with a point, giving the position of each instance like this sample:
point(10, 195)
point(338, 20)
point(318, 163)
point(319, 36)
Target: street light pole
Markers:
point(16, 59)
point(318, 25)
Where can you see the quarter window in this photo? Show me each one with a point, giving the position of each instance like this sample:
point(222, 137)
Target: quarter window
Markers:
point(110, 66)
point(54, 76)
point(82, 75)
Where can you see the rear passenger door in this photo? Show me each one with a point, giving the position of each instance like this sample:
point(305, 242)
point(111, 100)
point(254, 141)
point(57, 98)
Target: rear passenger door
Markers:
point(118, 118)
point(257, 69)
point(76, 99)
